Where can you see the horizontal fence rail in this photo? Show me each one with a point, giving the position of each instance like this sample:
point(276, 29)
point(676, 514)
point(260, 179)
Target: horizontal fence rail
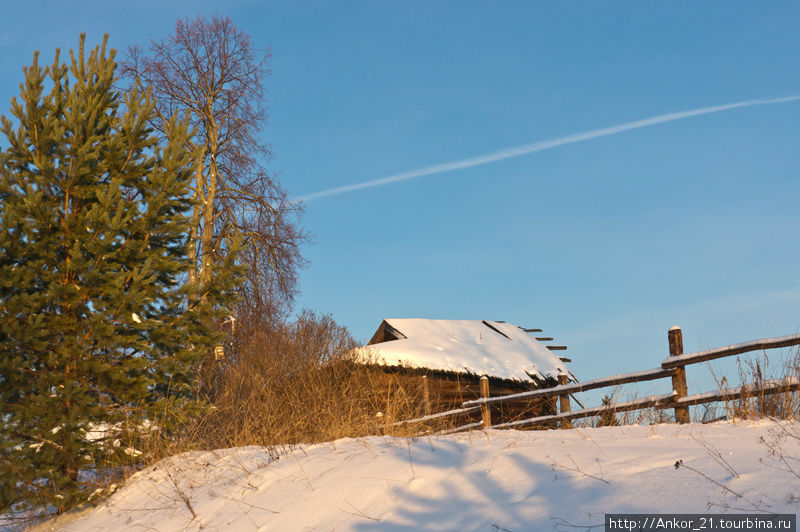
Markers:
point(730, 350)
point(431, 417)
point(789, 384)
point(462, 428)
point(673, 367)
point(614, 380)
point(646, 402)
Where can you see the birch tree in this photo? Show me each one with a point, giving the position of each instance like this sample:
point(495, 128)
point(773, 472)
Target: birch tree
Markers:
point(210, 70)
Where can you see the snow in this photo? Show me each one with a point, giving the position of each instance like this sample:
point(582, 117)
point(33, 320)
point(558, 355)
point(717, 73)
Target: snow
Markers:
point(468, 346)
point(104, 432)
point(495, 480)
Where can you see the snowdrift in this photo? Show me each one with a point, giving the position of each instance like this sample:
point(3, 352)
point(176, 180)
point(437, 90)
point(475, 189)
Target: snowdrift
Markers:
point(495, 480)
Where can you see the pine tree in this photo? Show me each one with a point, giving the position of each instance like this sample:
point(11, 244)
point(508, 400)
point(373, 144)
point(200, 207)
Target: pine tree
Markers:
point(95, 333)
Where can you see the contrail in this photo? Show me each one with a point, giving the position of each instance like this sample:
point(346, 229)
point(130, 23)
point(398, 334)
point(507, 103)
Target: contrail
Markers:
point(539, 146)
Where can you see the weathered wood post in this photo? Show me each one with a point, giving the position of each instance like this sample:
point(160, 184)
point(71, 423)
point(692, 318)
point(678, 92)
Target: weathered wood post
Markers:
point(485, 413)
point(564, 402)
point(675, 337)
point(426, 396)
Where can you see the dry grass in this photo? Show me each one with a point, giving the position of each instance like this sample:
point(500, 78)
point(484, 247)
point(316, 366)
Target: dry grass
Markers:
point(643, 416)
point(299, 382)
point(753, 373)
point(756, 404)
point(302, 382)
point(305, 382)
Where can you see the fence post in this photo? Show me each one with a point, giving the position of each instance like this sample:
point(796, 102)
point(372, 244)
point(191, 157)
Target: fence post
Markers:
point(675, 337)
point(485, 413)
point(564, 402)
point(426, 396)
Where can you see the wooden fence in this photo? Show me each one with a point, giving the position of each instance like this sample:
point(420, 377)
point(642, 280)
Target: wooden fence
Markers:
point(674, 367)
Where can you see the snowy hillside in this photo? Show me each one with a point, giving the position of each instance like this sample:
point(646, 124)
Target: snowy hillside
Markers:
point(500, 480)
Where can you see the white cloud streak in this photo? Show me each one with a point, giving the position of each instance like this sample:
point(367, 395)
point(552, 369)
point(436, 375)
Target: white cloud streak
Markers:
point(526, 149)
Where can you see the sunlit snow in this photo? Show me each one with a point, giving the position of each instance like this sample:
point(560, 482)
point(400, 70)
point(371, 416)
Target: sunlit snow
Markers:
point(495, 480)
point(468, 346)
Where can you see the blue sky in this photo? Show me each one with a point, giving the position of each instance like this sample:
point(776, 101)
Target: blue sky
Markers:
point(605, 243)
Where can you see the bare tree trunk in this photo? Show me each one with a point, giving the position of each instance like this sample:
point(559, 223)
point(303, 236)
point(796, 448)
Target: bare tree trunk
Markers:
point(196, 211)
point(208, 257)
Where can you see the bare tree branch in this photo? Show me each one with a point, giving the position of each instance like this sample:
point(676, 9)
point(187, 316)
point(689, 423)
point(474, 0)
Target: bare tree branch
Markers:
point(209, 69)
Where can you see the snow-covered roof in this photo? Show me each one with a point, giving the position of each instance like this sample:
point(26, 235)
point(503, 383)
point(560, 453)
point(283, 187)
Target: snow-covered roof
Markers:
point(492, 348)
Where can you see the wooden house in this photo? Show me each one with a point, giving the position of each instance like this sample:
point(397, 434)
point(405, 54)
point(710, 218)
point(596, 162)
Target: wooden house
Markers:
point(450, 356)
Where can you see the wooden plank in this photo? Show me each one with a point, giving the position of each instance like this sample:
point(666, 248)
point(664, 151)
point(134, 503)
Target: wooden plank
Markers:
point(495, 329)
point(532, 330)
point(426, 395)
point(437, 416)
point(659, 401)
point(789, 384)
point(556, 347)
point(385, 333)
point(730, 350)
point(639, 376)
point(544, 339)
point(462, 428)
